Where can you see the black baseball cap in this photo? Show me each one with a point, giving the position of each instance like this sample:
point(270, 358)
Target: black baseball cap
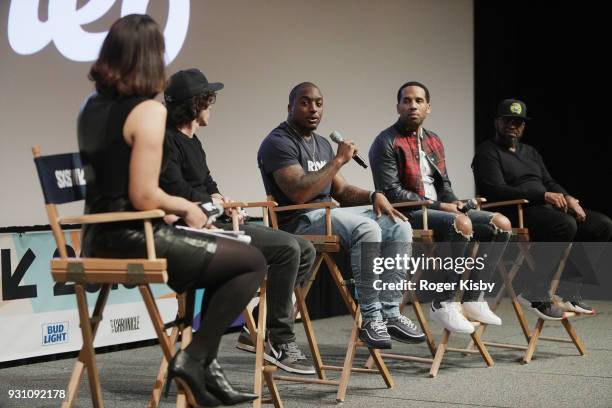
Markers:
point(187, 83)
point(512, 108)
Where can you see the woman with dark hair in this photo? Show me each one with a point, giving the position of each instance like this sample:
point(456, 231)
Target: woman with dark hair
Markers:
point(120, 133)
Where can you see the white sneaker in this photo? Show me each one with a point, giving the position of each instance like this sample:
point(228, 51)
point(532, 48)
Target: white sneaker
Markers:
point(480, 311)
point(566, 305)
point(449, 315)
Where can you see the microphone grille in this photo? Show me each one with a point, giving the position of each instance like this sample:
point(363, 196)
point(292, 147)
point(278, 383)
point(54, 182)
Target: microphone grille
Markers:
point(336, 137)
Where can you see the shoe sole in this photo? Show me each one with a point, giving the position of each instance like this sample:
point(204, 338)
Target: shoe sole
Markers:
point(375, 346)
point(578, 309)
point(543, 316)
point(245, 347)
point(408, 339)
point(411, 340)
point(283, 367)
point(452, 331)
point(483, 322)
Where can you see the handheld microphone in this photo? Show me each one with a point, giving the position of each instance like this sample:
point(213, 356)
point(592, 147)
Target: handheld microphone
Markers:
point(337, 137)
point(471, 204)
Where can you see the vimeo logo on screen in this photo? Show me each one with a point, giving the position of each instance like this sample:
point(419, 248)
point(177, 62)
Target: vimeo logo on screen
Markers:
point(28, 35)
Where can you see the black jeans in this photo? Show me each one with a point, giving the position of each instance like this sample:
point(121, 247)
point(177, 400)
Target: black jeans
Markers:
point(290, 260)
point(548, 224)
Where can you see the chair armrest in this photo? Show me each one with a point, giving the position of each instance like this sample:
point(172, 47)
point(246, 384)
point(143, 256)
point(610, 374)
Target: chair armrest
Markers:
point(422, 203)
point(505, 203)
point(519, 205)
point(405, 204)
point(322, 204)
point(233, 204)
point(112, 217)
point(479, 200)
point(255, 204)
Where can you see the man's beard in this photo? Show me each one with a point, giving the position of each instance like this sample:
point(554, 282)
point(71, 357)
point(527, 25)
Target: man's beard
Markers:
point(508, 142)
point(410, 125)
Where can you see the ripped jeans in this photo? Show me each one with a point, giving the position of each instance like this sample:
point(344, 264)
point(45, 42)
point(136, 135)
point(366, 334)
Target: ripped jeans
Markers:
point(492, 241)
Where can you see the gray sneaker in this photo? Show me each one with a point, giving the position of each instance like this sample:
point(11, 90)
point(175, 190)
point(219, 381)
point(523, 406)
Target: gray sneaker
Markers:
point(403, 329)
point(547, 310)
point(288, 357)
point(244, 341)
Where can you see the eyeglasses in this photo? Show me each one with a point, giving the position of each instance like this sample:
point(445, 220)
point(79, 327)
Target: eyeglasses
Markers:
point(513, 121)
point(211, 99)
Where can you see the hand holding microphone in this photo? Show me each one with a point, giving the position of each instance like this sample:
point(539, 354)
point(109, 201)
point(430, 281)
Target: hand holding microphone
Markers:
point(337, 138)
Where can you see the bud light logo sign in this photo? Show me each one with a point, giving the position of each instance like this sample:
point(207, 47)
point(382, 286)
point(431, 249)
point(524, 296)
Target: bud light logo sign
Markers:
point(54, 333)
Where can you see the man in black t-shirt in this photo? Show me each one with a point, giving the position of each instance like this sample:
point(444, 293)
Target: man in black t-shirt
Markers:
point(189, 97)
point(298, 166)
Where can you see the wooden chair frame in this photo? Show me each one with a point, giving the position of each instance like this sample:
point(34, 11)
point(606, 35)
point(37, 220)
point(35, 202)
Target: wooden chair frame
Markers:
point(182, 326)
point(531, 337)
point(106, 272)
point(437, 351)
point(325, 245)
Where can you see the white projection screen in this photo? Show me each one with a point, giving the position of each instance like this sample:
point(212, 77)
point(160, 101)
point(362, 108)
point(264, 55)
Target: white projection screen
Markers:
point(358, 51)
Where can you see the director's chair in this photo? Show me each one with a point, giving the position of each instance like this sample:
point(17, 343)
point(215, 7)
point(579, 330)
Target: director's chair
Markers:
point(520, 235)
point(326, 245)
point(182, 328)
point(83, 271)
point(437, 351)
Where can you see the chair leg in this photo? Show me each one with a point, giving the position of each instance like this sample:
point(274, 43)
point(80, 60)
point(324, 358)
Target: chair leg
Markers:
point(573, 335)
point(158, 324)
point(79, 366)
point(160, 380)
point(186, 303)
point(268, 373)
point(482, 349)
point(308, 284)
point(339, 281)
point(441, 349)
point(533, 341)
point(181, 317)
point(312, 339)
point(348, 361)
point(88, 347)
point(259, 345)
point(420, 315)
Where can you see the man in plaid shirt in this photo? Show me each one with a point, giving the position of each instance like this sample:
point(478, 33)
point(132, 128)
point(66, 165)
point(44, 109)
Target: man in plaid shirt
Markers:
point(407, 163)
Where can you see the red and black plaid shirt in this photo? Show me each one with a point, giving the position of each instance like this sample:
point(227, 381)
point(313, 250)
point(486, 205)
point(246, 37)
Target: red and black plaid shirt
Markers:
point(409, 169)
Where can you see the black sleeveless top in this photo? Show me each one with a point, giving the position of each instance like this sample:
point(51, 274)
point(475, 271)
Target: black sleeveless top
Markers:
point(104, 152)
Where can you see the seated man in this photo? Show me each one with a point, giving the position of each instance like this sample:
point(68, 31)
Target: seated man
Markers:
point(298, 166)
point(408, 164)
point(189, 97)
point(505, 169)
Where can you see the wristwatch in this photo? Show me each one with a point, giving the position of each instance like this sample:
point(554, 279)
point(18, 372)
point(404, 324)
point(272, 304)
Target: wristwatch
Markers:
point(373, 193)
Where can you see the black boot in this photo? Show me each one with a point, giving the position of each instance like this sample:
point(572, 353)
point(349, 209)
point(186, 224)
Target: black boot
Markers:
point(189, 372)
point(219, 386)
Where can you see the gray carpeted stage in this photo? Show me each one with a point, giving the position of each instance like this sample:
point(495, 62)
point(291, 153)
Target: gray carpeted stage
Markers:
point(557, 376)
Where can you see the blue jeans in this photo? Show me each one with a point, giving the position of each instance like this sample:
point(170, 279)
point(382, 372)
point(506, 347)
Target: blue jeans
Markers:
point(493, 243)
point(356, 226)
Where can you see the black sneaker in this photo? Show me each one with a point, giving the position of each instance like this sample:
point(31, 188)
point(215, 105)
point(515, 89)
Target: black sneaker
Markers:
point(288, 357)
point(403, 329)
point(375, 335)
point(244, 341)
point(547, 310)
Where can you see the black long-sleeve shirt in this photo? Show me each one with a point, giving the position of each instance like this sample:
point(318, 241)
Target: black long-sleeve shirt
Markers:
point(501, 174)
point(184, 170)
